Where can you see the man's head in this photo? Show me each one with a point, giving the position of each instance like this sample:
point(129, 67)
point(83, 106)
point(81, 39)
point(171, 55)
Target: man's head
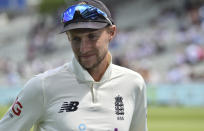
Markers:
point(90, 46)
point(89, 31)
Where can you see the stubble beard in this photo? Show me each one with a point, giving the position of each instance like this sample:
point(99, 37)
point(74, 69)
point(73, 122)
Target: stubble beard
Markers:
point(96, 64)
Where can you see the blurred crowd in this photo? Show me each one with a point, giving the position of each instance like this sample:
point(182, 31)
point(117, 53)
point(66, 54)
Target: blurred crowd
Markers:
point(183, 41)
point(171, 39)
point(41, 41)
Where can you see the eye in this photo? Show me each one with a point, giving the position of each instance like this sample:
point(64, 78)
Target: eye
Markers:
point(93, 37)
point(76, 39)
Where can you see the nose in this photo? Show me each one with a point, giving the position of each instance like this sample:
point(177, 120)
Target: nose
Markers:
point(85, 46)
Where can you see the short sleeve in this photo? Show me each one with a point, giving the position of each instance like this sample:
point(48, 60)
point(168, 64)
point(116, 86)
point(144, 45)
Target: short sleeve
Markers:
point(27, 109)
point(139, 119)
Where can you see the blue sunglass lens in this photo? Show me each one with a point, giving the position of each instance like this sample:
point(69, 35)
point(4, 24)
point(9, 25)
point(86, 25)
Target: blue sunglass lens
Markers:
point(86, 11)
point(68, 14)
point(102, 13)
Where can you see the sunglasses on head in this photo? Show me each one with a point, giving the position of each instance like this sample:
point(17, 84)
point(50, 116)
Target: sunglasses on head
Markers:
point(86, 11)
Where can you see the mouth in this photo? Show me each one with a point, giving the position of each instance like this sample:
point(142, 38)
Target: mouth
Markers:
point(87, 56)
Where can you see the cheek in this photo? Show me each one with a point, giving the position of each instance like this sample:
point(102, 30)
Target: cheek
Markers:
point(103, 48)
point(75, 49)
point(103, 43)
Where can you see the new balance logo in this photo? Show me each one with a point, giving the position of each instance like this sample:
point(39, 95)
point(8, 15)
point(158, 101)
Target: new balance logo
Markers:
point(69, 106)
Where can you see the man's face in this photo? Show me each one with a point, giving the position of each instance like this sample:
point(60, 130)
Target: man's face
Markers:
point(90, 46)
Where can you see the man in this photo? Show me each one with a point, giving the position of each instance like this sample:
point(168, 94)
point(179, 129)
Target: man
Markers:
point(89, 93)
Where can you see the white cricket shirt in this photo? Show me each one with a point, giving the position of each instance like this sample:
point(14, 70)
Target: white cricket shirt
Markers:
point(68, 99)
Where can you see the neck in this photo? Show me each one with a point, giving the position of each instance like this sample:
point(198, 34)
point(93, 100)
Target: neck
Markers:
point(99, 71)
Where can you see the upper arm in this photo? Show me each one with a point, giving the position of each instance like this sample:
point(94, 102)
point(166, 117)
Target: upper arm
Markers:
point(139, 119)
point(27, 108)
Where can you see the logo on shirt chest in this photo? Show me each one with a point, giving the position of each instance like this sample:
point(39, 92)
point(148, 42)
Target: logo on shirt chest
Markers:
point(119, 107)
point(69, 106)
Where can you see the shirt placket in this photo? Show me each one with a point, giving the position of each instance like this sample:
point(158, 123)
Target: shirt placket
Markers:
point(93, 90)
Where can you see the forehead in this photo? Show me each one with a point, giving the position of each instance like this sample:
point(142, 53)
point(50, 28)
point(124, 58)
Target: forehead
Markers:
point(84, 31)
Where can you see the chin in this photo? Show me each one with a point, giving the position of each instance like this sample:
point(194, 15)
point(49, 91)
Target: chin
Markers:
point(89, 66)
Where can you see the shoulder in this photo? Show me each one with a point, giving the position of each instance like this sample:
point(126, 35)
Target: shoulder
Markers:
point(36, 83)
point(128, 74)
point(53, 72)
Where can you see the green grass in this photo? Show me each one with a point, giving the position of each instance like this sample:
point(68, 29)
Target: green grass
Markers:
point(175, 119)
point(168, 118)
point(3, 110)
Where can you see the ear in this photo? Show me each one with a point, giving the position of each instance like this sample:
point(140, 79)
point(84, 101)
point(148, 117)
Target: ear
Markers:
point(112, 31)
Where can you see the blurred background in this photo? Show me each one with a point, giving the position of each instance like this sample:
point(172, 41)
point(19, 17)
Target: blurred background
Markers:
point(163, 40)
